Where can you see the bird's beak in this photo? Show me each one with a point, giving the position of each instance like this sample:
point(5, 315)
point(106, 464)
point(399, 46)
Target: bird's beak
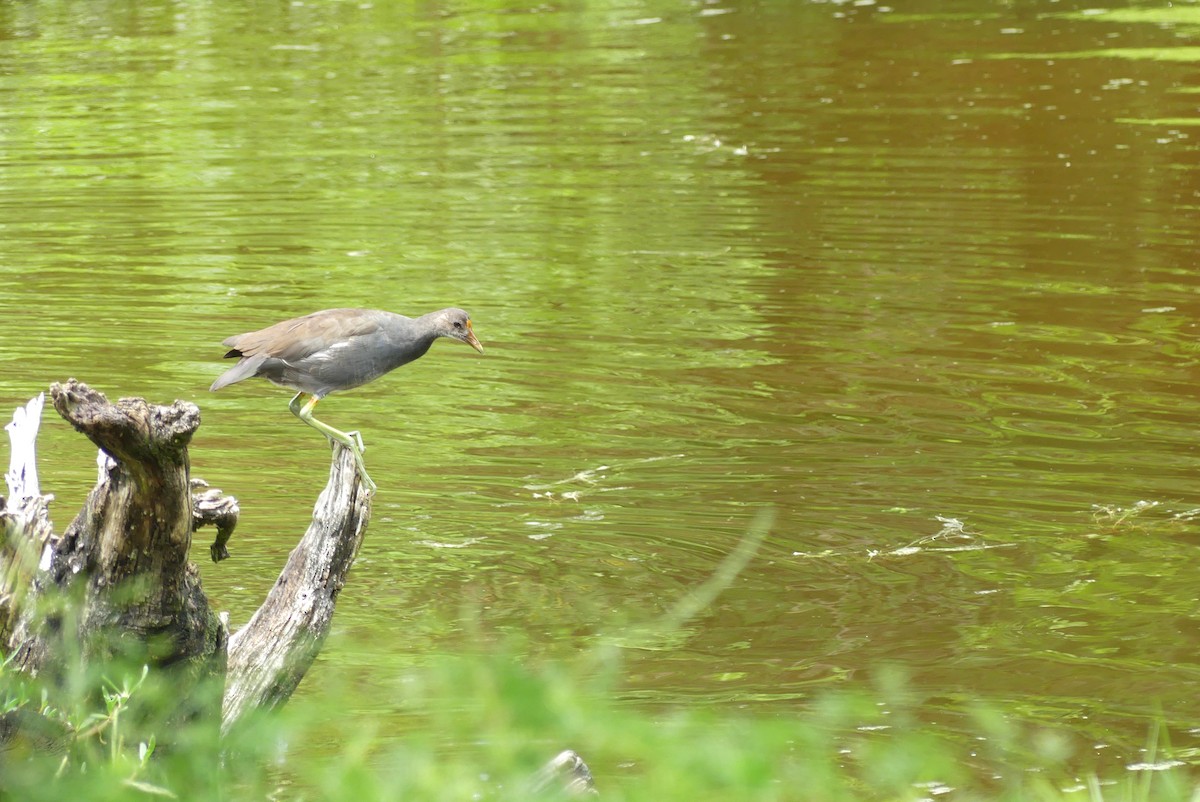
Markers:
point(472, 340)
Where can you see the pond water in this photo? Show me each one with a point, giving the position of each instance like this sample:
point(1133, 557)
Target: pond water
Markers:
point(919, 276)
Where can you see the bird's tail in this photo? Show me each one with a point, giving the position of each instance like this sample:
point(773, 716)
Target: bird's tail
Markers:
point(244, 369)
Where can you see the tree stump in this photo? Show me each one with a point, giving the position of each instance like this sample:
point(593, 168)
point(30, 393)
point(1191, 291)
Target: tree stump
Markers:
point(122, 567)
point(123, 561)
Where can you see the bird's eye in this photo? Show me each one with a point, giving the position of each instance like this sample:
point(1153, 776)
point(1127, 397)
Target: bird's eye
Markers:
point(457, 325)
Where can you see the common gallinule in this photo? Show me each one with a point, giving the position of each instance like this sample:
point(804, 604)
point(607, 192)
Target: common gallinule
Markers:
point(338, 349)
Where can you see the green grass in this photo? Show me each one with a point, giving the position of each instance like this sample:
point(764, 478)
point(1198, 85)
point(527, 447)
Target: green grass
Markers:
point(478, 726)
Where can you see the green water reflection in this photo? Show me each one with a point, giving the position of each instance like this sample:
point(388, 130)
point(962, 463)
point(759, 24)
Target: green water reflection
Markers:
point(933, 303)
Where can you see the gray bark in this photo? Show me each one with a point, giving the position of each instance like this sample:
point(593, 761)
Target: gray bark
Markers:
point(211, 507)
point(269, 656)
point(135, 524)
point(28, 532)
point(123, 562)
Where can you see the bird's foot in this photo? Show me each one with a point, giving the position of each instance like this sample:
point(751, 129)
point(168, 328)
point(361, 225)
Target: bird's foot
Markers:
point(369, 485)
point(356, 446)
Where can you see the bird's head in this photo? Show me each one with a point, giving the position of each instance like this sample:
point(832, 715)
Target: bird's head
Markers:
point(456, 323)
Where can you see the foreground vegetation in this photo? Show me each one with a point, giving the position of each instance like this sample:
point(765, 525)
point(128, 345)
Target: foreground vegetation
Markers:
point(479, 727)
point(97, 724)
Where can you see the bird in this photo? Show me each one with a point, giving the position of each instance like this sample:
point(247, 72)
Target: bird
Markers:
point(338, 349)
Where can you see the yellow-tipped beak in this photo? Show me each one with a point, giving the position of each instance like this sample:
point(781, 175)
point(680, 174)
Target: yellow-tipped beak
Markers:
point(472, 340)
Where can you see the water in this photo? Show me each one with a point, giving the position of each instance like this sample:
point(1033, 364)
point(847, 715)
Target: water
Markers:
point(919, 277)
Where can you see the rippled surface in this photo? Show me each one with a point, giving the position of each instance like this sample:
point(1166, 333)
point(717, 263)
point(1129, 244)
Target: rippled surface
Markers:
point(923, 282)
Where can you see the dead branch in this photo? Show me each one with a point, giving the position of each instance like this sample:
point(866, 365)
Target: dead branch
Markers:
point(269, 656)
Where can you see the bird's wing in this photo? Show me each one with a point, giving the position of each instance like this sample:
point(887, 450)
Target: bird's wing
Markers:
point(304, 336)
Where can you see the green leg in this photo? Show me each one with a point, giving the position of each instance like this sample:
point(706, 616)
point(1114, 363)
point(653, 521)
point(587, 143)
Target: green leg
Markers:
point(302, 407)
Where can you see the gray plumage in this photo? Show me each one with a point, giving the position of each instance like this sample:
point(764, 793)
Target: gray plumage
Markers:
point(338, 349)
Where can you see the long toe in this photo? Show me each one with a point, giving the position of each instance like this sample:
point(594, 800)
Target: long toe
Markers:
point(370, 485)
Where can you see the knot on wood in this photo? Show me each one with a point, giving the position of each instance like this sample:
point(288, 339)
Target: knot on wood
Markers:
point(210, 506)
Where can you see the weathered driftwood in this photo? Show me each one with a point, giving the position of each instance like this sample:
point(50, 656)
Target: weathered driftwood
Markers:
point(269, 656)
point(565, 773)
point(27, 529)
point(124, 562)
point(126, 552)
point(211, 507)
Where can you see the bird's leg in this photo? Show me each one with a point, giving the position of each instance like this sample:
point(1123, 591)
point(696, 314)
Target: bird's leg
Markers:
point(358, 439)
point(310, 401)
point(302, 407)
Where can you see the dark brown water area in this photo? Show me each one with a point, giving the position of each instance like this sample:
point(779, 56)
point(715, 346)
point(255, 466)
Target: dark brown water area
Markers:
point(920, 277)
